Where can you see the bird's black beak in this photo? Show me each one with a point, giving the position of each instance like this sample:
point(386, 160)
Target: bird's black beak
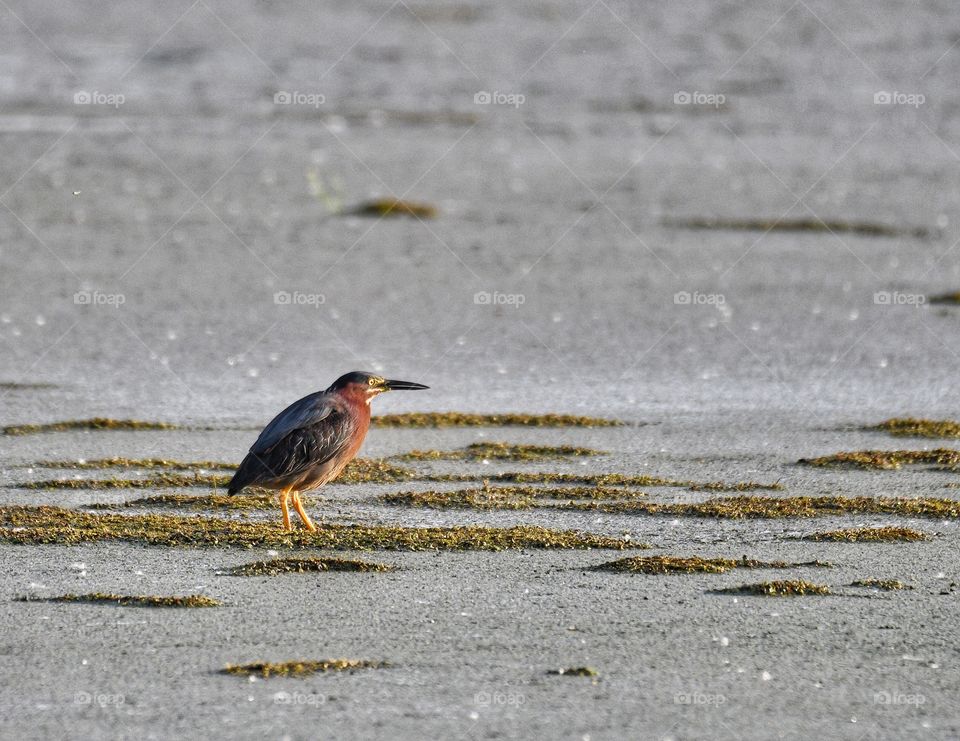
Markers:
point(403, 386)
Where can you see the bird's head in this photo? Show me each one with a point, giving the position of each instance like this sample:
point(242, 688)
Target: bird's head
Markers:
point(368, 385)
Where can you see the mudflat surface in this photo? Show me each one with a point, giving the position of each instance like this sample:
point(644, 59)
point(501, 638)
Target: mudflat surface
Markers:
point(149, 246)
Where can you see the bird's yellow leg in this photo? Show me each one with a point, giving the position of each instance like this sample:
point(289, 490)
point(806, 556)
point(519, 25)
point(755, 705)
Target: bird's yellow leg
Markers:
point(284, 495)
point(298, 505)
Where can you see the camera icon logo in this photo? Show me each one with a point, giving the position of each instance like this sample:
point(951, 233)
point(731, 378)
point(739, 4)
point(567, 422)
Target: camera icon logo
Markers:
point(882, 298)
point(882, 97)
point(682, 298)
point(482, 297)
point(82, 298)
point(682, 98)
point(282, 298)
point(482, 98)
point(82, 97)
point(281, 97)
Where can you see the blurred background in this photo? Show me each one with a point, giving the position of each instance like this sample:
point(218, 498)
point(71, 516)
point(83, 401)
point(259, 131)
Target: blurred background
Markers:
point(689, 208)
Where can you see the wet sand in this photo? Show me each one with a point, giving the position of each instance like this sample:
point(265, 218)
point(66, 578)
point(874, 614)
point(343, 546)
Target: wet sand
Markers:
point(179, 256)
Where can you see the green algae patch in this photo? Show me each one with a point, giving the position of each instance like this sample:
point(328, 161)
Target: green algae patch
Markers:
point(358, 471)
point(575, 671)
point(96, 423)
point(463, 419)
point(299, 668)
point(890, 534)
point(916, 427)
point(126, 600)
point(277, 566)
point(789, 588)
point(137, 463)
point(40, 525)
point(886, 459)
point(694, 565)
point(863, 229)
point(884, 585)
point(503, 451)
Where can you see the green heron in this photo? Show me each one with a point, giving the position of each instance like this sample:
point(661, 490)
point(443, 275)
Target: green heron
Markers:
point(310, 441)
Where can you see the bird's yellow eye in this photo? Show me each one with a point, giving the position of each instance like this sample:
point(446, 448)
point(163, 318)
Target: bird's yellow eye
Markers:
point(372, 381)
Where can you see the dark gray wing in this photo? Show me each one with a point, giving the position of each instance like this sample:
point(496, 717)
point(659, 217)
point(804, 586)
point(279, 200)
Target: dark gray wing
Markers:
point(306, 411)
point(306, 434)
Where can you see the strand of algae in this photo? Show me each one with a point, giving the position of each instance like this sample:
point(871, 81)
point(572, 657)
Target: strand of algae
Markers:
point(299, 668)
point(502, 451)
point(464, 419)
point(916, 427)
point(95, 423)
point(695, 564)
point(886, 459)
point(889, 534)
point(277, 566)
point(788, 588)
point(38, 525)
point(126, 600)
point(734, 507)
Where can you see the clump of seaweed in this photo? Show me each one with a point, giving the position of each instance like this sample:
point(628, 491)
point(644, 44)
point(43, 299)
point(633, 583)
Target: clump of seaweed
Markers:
point(886, 585)
point(96, 423)
point(916, 427)
point(299, 668)
point(575, 671)
point(503, 451)
point(694, 564)
point(126, 600)
point(734, 507)
point(382, 207)
point(887, 459)
point(278, 566)
point(463, 419)
point(888, 534)
point(790, 588)
point(38, 525)
point(801, 225)
point(358, 471)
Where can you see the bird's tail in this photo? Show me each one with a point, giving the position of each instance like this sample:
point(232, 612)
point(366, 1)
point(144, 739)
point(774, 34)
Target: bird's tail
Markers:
point(245, 475)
